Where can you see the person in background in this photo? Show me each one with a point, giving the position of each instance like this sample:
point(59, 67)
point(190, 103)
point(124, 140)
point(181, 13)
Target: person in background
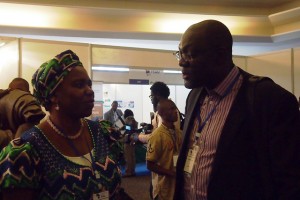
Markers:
point(129, 145)
point(114, 114)
point(159, 90)
point(19, 110)
point(65, 156)
point(241, 133)
point(162, 151)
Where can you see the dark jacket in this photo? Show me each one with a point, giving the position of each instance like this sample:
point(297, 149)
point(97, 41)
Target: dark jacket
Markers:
point(258, 154)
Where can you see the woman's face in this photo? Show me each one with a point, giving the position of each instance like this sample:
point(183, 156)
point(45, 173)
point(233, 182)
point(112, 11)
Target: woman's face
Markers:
point(75, 96)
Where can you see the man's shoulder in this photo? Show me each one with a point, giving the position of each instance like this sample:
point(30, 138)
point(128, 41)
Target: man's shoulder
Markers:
point(20, 94)
point(107, 112)
point(18, 97)
point(159, 131)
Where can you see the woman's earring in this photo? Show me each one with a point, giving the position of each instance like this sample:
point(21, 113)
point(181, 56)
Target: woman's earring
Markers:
point(57, 107)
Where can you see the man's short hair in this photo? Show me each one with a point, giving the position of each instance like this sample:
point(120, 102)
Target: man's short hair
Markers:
point(161, 89)
point(19, 83)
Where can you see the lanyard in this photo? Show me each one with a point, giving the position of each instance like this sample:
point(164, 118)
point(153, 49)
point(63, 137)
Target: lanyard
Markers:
point(209, 115)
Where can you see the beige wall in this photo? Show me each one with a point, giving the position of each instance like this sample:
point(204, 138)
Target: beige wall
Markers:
point(297, 71)
point(9, 63)
point(277, 66)
point(137, 58)
point(140, 60)
point(283, 66)
point(35, 53)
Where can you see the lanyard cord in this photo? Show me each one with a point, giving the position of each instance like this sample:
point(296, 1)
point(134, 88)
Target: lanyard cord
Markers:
point(228, 90)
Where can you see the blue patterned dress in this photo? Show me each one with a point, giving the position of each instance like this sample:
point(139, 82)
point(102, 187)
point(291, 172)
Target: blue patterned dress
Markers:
point(33, 162)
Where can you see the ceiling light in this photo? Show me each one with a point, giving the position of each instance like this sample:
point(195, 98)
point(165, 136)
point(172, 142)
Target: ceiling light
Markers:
point(172, 71)
point(106, 68)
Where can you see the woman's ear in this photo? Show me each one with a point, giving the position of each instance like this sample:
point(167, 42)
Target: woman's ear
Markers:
point(54, 99)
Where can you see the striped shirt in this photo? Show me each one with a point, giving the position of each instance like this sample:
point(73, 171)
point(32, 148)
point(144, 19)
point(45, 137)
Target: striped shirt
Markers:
point(220, 99)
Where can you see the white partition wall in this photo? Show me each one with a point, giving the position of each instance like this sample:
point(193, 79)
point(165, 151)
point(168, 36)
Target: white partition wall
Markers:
point(136, 98)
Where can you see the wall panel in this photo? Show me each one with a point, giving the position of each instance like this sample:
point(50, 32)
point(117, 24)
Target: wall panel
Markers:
point(9, 63)
point(297, 71)
point(35, 53)
point(275, 65)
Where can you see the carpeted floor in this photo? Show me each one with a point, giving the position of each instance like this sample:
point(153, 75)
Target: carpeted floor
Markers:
point(138, 186)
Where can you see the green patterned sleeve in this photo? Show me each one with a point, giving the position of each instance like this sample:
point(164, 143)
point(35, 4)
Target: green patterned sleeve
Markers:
point(19, 166)
point(111, 134)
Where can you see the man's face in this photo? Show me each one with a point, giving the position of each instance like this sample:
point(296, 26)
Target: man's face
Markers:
point(168, 111)
point(154, 99)
point(114, 106)
point(197, 60)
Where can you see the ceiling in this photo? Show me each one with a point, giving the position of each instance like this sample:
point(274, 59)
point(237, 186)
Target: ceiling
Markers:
point(257, 26)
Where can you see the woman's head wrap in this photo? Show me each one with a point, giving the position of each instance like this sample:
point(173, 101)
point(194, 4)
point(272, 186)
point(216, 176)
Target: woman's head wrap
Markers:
point(51, 74)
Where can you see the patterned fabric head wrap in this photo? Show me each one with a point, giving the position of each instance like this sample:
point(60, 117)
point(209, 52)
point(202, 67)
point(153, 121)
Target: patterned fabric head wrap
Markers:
point(51, 74)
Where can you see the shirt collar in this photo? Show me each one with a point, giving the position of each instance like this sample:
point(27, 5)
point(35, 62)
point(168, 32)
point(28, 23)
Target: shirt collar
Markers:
point(220, 90)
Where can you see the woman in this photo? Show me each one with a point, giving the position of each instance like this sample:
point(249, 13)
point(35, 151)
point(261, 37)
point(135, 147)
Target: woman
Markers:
point(66, 156)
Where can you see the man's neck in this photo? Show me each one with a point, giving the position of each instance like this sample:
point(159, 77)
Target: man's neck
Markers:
point(169, 125)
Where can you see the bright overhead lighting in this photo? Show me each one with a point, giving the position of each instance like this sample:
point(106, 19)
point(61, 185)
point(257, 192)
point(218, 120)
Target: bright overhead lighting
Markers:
point(172, 71)
point(105, 68)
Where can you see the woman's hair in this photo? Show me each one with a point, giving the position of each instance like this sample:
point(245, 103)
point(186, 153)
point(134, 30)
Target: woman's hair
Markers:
point(51, 74)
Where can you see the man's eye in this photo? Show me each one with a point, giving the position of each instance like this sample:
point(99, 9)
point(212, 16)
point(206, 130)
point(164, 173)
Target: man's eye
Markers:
point(79, 84)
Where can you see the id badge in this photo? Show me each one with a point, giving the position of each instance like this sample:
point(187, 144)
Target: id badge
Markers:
point(101, 196)
point(175, 158)
point(190, 160)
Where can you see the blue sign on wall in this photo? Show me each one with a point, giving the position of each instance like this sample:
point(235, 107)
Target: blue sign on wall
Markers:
point(139, 81)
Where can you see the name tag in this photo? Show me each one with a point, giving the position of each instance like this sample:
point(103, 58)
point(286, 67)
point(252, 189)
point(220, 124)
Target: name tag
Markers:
point(190, 160)
point(175, 158)
point(101, 196)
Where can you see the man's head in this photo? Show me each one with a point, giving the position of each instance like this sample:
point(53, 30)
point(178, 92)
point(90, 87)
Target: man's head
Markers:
point(167, 109)
point(19, 83)
point(128, 113)
point(159, 90)
point(205, 54)
point(114, 105)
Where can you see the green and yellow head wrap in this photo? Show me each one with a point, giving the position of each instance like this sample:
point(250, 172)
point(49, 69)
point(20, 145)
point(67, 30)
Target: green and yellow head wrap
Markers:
point(51, 74)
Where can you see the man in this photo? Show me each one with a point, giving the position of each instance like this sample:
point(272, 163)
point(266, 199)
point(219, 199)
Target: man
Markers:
point(19, 110)
point(162, 151)
point(114, 114)
point(159, 91)
point(241, 136)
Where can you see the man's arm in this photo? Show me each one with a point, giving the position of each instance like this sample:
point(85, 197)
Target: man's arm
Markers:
point(105, 117)
point(152, 166)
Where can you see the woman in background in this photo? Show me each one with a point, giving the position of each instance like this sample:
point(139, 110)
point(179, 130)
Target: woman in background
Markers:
point(66, 156)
